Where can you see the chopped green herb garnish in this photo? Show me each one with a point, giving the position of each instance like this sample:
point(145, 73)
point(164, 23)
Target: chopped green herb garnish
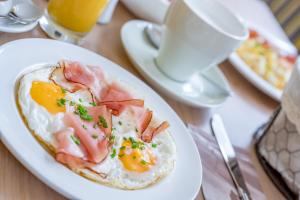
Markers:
point(114, 153)
point(122, 147)
point(121, 155)
point(93, 104)
point(84, 126)
point(61, 102)
point(120, 123)
point(63, 90)
point(143, 162)
point(95, 126)
point(154, 145)
point(75, 139)
point(102, 122)
point(95, 136)
point(112, 139)
point(80, 100)
point(72, 103)
point(83, 113)
point(134, 145)
point(125, 138)
point(136, 130)
point(133, 157)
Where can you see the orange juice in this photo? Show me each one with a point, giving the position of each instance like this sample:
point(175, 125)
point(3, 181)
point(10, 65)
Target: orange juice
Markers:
point(76, 15)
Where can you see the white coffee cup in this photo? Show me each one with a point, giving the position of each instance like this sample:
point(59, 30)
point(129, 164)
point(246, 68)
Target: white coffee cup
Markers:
point(197, 34)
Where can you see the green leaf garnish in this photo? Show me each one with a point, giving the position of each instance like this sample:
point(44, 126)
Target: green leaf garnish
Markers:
point(93, 104)
point(154, 145)
point(75, 139)
point(95, 136)
point(61, 102)
point(63, 90)
point(143, 162)
point(114, 153)
point(83, 113)
point(102, 122)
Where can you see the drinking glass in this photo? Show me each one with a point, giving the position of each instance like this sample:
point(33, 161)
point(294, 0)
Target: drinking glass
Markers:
point(71, 20)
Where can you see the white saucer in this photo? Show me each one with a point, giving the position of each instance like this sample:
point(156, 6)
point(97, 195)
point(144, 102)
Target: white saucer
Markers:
point(207, 90)
point(5, 26)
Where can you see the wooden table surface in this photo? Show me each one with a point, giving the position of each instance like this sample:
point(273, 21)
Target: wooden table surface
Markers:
point(243, 112)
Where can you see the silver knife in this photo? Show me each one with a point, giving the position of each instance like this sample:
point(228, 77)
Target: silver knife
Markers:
point(229, 156)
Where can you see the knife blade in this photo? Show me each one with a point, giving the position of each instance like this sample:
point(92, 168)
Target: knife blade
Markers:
point(229, 156)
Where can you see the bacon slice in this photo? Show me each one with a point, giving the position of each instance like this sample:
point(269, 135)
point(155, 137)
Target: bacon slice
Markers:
point(97, 148)
point(151, 132)
point(118, 106)
point(89, 76)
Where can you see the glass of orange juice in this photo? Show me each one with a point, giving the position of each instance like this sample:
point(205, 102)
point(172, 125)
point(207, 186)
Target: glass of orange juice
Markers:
point(71, 20)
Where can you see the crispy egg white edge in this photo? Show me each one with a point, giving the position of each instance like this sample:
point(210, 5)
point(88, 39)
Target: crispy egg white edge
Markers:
point(43, 134)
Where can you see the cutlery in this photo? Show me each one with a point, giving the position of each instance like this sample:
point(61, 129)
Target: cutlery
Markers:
point(229, 156)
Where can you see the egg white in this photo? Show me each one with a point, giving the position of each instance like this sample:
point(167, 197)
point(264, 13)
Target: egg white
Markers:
point(44, 124)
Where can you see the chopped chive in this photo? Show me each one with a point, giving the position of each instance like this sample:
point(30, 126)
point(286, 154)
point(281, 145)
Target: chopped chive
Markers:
point(121, 155)
point(102, 122)
point(93, 104)
point(136, 130)
point(112, 139)
point(95, 136)
point(75, 139)
point(143, 162)
point(63, 90)
point(154, 145)
point(122, 147)
point(134, 145)
point(80, 100)
point(83, 113)
point(95, 126)
point(84, 126)
point(72, 103)
point(61, 102)
point(120, 123)
point(114, 153)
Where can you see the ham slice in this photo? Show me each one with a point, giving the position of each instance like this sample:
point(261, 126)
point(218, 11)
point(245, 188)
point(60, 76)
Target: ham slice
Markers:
point(66, 145)
point(73, 162)
point(118, 106)
point(98, 112)
point(116, 98)
point(151, 132)
point(89, 76)
point(143, 118)
point(57, 76)
point(96, 147)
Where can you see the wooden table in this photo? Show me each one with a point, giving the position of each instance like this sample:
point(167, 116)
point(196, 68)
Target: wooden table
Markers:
point(243, 113)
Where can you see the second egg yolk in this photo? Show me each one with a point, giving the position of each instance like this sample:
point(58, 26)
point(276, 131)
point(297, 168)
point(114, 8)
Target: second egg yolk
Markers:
point(136, 160)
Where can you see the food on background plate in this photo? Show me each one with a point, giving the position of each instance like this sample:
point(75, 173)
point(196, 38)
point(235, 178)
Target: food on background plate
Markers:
point(96, 125)
point(266, 60)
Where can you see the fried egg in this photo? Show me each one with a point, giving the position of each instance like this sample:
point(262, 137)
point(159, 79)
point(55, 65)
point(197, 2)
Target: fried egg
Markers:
point(130, 164)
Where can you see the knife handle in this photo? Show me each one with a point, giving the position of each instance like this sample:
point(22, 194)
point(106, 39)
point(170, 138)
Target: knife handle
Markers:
point(242, 194)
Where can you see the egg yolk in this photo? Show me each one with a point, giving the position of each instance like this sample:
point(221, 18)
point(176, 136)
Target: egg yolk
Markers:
point(136, 159)
point(47, 94)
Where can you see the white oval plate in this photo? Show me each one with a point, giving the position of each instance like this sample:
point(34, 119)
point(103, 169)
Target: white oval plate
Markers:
point(254, 78)
point(183, 183)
